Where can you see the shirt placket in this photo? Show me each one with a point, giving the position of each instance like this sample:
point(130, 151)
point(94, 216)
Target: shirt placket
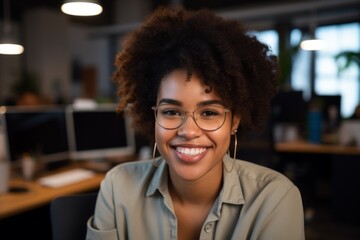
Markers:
point(171, 213)
point(207, 231)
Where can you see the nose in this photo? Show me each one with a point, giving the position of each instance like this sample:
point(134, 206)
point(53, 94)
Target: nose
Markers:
point(189, 128)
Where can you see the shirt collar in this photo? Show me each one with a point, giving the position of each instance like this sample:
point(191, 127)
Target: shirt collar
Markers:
point(231, 192)
point(159, 180)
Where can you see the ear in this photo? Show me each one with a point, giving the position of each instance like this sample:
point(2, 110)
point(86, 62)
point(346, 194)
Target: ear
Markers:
point(235, 123)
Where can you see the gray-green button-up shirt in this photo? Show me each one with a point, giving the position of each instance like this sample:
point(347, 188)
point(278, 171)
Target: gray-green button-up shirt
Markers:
point(255, 203)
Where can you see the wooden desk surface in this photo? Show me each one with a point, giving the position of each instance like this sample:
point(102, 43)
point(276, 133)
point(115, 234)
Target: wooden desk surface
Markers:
point(306, 147)
point(37, 195)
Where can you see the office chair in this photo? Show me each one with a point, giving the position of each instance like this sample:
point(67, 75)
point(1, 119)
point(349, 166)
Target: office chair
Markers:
point(69, 215)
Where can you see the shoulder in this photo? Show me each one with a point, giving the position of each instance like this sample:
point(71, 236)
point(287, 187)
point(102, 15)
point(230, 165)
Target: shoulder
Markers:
point(131, 168)
point(255, 178)
point(255, 172)
point(131, 173)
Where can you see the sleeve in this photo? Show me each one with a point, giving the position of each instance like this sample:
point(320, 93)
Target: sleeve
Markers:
point(286, 220)
point(102, 224)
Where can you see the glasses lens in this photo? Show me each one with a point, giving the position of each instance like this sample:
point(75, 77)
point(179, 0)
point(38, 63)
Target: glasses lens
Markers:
point(208, 118)
point(169, 116)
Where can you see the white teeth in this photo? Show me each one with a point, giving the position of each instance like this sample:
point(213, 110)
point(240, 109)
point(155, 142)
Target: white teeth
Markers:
point(190, 151)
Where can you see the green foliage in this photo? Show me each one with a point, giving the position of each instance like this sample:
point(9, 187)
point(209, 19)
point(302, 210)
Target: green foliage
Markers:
point(346, 58)
point(286, 59)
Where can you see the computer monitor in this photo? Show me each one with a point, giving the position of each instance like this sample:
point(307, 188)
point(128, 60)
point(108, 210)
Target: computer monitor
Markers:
point(289, 107)
point(99, 132)
point(39, 131)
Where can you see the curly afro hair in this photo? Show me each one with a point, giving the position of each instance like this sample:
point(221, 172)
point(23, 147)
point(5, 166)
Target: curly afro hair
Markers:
point(231, 61)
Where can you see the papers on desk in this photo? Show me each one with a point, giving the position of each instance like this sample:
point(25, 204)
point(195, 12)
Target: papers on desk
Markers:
point(66, 178)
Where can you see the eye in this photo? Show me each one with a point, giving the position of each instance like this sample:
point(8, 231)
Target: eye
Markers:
point(207, 113)
point(170, 112)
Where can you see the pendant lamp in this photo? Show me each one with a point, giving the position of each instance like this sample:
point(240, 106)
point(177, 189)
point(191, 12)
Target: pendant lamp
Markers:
point(82, 7)
point(9, 45)
point(310, 42)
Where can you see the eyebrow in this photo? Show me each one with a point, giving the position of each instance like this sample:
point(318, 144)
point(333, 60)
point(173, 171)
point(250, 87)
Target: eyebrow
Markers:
point(169, 101)
point(178, 103)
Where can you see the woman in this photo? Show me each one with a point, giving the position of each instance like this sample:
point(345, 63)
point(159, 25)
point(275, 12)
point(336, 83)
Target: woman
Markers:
point(190, 80)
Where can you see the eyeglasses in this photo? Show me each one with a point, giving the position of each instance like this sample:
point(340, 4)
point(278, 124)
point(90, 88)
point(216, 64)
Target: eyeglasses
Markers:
point(208, 118)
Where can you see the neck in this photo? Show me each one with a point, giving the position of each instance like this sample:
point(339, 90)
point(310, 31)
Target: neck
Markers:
point(201, 191)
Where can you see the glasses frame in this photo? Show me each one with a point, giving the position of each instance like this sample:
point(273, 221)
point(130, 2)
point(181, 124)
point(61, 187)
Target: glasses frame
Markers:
point(186, 114)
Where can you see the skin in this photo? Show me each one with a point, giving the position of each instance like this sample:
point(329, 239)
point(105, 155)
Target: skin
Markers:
point(195, 180)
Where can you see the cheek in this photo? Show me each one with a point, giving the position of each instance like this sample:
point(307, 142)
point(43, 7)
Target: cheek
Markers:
point(157, 134)
point(222, 139)
point(162, 136)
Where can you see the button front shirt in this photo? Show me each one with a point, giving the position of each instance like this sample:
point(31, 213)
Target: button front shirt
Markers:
point(255, 203)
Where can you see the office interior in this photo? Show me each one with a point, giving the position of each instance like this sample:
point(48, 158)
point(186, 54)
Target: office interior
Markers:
point(312, 134)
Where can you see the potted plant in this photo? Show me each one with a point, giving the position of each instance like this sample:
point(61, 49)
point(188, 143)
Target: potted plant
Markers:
point(345, 59)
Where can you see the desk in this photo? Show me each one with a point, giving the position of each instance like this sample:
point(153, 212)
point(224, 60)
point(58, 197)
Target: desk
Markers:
point(38, 195)
point(306, 147)
point(338, 164)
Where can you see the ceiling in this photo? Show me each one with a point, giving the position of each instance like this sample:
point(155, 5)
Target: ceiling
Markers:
point(271, 8)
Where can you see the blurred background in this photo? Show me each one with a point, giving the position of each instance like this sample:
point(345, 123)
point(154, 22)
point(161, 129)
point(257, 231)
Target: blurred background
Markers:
point(69, 58)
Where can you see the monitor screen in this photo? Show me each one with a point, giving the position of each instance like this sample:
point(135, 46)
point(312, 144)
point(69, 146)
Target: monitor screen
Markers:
point(289, 107)
point(39, 131)
point(99, 132)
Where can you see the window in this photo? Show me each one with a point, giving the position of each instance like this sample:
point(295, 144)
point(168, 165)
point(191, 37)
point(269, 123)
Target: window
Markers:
point(338, 38)
point(300, 77)
point(345, 37)
point(269, 37)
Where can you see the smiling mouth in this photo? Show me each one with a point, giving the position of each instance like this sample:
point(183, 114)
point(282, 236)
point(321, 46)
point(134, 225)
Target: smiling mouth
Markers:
point(190, 151)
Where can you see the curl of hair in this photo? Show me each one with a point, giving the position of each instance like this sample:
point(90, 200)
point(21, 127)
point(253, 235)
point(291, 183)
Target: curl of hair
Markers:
point(238, 67)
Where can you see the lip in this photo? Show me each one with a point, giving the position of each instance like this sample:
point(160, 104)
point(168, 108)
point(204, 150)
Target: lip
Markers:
point(190, 154)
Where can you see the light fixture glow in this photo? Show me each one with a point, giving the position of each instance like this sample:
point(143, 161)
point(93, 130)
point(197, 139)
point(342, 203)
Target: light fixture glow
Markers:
point(8, 42)
point(312, 44)
point(11, 49)
point(82, 8)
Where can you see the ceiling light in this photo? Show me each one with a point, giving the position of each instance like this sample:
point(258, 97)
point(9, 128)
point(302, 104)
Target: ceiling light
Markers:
point(11, 48)
point(312, 44)
point(8, 42)
point(82, 7)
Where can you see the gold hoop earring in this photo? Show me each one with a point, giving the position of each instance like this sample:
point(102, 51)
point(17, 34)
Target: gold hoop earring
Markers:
point(153, 156)
point(235, 148)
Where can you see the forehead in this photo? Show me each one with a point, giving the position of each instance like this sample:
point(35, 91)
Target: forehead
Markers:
point(176, 85)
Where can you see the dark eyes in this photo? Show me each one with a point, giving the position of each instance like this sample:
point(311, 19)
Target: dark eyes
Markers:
point(208, 113)
point(171, 112)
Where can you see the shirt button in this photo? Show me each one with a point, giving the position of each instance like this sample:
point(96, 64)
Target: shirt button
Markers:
point(208, 227)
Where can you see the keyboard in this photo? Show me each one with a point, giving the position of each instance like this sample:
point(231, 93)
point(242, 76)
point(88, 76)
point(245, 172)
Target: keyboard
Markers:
point(66, 178)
